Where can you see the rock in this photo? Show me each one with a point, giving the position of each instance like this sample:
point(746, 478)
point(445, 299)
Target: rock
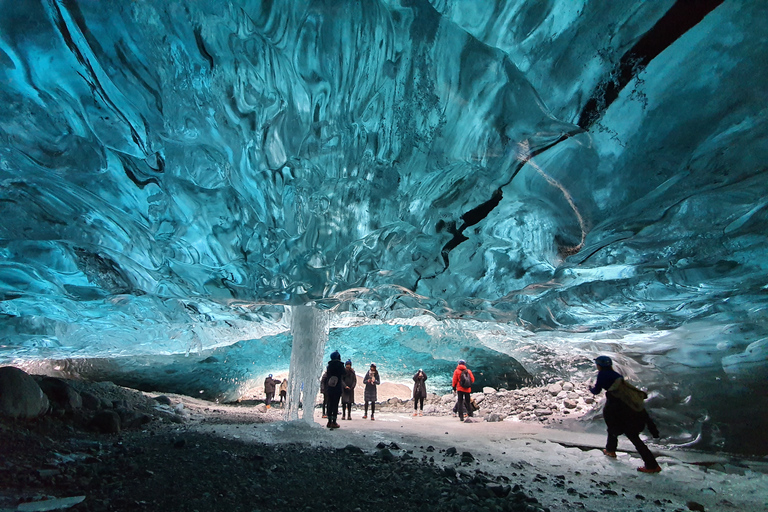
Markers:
point(692, 505)
point(20, 395)
point(469, 419)
point(562, 395)
point(554, 389)
point(499, 490)
point(495, 417)
point(569, 404)
point(353, 449)
point(385, 455)
point(467, 457)
point(61, 395)
point(451, 451)
point(131, 419)
point(589, 400)
point(106, 422)
point(261, 408)
point(90, 401)
point(489, 390)
point(568, 386)
point(162, 399)
point(542, 412)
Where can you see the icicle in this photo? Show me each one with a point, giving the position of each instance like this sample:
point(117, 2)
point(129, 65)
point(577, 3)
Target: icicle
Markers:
point(309, 327)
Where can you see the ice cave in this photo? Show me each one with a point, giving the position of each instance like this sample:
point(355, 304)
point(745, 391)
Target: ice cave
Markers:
point(197, 193)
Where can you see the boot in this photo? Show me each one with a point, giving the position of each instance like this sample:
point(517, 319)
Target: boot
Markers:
point(372, 418)
point(421, 413)
point(415, 413)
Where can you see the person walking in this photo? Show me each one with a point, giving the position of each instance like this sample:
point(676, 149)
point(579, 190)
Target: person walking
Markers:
point(323, 385)
point(284, 390)
point(419, 392)
point(269, 390)
point(462, 384)
point(621, 415)
point(348, 393)
point(333, 387)
point(371, 380)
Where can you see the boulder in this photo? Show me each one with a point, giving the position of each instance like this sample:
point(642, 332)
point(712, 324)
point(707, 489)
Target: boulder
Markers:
point(495, 417)
point(20, 396)
point(489, 390)
point(554, 389)
point(90, 401)
point(61, 395)
point(106, 422)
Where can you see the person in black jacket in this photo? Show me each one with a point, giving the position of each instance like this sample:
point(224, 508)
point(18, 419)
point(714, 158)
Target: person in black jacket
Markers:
point(620, 418)
point(335, 372)
point(348, 393)
point(419, 392)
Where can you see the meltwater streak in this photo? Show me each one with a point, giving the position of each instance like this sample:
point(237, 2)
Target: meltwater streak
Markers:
point(309, 327)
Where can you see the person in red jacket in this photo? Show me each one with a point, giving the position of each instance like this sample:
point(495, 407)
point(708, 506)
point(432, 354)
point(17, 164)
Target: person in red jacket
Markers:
point(462, 383)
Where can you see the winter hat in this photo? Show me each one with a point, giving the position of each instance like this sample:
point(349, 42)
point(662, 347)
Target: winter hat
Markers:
point(373, 365)
point(336, 355)
point(349, 362)
point(603, 362)
point(461, 361)
point(270, 375)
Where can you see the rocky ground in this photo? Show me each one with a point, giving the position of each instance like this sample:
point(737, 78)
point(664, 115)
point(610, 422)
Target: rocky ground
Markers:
point(103, 447)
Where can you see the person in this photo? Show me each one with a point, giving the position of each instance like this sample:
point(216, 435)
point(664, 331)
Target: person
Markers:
point(269, 390)
point(464, 401)
point(323, 381)
point(333, 387)
point(371, 380)
point(620, 417)
point(348, 393)
point(284, 390)
point(419, 392)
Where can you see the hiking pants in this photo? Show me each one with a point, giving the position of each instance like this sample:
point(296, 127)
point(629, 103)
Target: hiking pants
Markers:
point(464, 405)
point(645, 453)
point(418, 403)
point(269, 398)
point(332, 408)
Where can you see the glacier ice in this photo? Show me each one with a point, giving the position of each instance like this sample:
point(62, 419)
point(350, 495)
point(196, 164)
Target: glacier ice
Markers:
point(519, 181)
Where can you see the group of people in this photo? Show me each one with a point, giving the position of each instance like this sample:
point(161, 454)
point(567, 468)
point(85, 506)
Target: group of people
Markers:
point(270, 385)
point(338, 384)
point(624, 411)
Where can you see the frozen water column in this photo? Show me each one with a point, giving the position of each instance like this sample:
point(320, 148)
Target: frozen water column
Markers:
point(309, 327)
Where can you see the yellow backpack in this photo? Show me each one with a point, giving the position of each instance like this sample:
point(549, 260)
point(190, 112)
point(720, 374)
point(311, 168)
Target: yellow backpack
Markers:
point(629, 394)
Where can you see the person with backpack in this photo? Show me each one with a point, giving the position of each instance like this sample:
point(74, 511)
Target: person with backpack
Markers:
point(462, 384)
point(419, 392)
point(269, 390)
point(349, 382)
point(624, 413)
point(371, 380)
point(333, 388)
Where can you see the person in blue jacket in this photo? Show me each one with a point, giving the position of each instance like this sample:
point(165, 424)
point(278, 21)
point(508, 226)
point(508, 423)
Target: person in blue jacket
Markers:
point(622, 419)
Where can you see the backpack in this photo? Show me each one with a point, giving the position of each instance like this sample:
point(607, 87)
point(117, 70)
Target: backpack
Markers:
point(464, 380)
point(333, 381)
point(629, 394)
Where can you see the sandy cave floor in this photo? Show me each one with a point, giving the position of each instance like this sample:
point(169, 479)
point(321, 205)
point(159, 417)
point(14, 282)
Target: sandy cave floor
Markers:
point(231, 457)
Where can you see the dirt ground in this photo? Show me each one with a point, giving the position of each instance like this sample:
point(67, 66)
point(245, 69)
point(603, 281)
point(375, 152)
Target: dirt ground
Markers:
point(191, 455)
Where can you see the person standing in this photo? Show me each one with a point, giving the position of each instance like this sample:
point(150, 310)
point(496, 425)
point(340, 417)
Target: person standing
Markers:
point(323, 384)
point(269, 390)
point(333, 387)
point(620, 417)
point(462, 384)
point(348, 393)
point(419, 392)
point(284, 390)
point(371, 380)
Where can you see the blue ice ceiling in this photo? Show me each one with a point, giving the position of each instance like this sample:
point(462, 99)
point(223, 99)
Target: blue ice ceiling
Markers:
point(174, 173)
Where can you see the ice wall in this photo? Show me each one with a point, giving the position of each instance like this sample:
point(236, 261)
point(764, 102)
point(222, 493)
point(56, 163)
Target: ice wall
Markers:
point(174, 174)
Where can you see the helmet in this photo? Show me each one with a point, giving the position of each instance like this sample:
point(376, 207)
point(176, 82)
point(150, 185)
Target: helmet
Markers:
point(335, 355)
point(603, 361)
point(270, 375)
